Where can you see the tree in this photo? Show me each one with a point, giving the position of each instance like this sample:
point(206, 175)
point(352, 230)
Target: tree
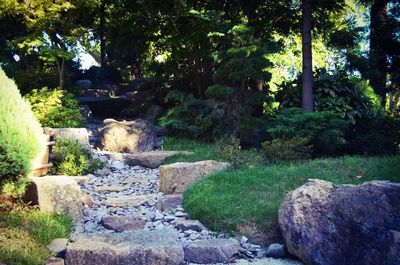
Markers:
point(307, 92)
point(379, 39)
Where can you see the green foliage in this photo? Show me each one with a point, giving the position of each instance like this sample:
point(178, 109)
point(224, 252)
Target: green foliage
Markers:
point(379, 135)
point(20, 133)
point(351, 99)
point(325, 129)
point(192, 117)
point(219, 92)
point(26, 233)
point(231, 150)
point(281, 150)
point(72, 159)
point(55, 108)
point(227, 200)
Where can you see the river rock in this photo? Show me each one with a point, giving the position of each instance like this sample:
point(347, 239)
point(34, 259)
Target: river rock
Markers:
point(185, 225)
point(211, 250)
point(177, 177)
point(331, 224)
point(55, 194)
point(123, 223)
point(54, 261)
point(167, 202)
point(129, 136)
point(156, 247)
point(57, 246)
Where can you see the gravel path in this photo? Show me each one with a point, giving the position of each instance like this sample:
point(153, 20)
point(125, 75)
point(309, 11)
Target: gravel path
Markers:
point(121, 198)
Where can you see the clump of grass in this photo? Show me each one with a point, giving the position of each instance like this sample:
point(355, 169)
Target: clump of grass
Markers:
point(227, 200)
point(24, 235)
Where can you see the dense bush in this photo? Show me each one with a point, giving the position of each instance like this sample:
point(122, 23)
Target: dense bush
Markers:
point(20, 133)
point(281, 149)
point(55, 108)
point(72, 159)
point(375, 136)
point(350, 98)
point(193, 117)
point(324, 129)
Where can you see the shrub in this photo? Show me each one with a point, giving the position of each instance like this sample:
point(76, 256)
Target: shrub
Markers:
point(375, 136)
point(219, 92)
point(191, 117)
point(286, 149)
point(72, 159)
point(324, 129)
point(350, 98)
point(55, 108)
point(20, 133)
point(231, 150)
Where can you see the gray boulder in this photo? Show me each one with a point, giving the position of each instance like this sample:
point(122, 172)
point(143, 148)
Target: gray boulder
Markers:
point(211, 250)
point(81, 135)
point(55, 194)
point(129, 137)
point(276, 251)
point(331, 224)
point(167, 202)
point(177, 177)
point(57, 246)
point(156, 247)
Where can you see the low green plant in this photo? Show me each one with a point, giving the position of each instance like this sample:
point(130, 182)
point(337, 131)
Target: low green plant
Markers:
point(324, 129)
point(26, 233)
point(350, 98)
point(281, 149)
point(55, 108)
point(231, 150)
point(72, 159)
point(20, 133)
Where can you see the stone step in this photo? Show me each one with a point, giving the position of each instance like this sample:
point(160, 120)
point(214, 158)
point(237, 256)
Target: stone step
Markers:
point(161, 247)
point(211, 250)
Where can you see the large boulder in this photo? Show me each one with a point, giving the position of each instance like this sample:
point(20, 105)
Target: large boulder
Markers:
point(156, 247)
point(81, 135)
point(56, 194)
point(127, 136)
point(177, 177)
point(331, 224)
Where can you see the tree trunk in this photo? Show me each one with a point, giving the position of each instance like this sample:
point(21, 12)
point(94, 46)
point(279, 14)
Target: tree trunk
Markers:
point(307, 93)
point(102, 32)
point(377, 57)
point(60, 67)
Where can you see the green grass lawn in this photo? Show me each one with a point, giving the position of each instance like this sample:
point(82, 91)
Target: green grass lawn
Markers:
point(24, 235)
point(227, 200)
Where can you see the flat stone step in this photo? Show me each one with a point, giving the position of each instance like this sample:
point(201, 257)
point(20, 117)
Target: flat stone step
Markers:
point(211, 250)
point(132, 201)
point(161, 247)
